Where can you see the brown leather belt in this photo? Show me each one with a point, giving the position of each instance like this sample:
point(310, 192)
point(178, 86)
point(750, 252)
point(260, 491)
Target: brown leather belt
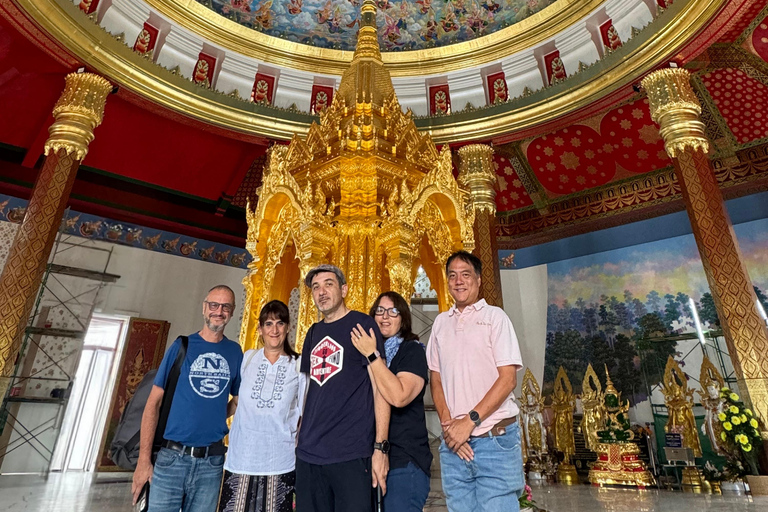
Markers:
point(500, 428)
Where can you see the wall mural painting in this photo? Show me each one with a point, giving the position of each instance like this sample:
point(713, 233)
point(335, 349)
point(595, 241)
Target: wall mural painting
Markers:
point(403, 25)
point(84, 225)
point(601, 306)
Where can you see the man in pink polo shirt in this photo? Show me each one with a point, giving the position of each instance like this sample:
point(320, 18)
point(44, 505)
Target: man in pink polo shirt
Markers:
point(473, 357)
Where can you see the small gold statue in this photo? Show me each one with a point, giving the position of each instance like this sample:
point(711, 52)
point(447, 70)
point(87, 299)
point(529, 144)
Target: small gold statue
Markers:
point(711, 382)
point(618, 457)
point(531, 406)
point(594, 408)
point(563, 404)
point(679, 400)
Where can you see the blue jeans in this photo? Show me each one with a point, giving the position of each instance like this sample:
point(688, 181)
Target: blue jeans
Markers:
point(407, 489)
point(492, 481)
point(180, 482)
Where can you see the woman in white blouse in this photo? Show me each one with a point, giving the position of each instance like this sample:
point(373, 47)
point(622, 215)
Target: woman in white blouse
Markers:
point(259, 473)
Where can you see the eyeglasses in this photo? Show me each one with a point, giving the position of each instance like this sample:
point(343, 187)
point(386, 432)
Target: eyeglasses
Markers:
point(392, 312)
point(226, 308)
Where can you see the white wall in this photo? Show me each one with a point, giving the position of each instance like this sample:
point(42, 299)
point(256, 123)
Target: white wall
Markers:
point(151, 285)
point(160, 286)
point(525, 295)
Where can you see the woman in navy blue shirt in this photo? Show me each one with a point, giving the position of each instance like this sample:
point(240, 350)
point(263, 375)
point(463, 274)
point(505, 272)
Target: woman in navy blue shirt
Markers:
point(401, 379)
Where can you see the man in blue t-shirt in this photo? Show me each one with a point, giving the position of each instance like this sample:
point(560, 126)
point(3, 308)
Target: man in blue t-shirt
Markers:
point(342, 449)
point(189, 467)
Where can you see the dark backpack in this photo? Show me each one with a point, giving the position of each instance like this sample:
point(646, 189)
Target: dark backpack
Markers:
point(124, 450)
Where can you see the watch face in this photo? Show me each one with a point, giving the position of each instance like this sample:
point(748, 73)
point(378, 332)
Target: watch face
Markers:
point(474, 416)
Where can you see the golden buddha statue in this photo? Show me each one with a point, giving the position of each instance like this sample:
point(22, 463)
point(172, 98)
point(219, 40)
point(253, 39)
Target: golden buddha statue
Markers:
point(594, 408)
point(563, 404)
point(534, 433)
point(711, 383)
point(679, 400)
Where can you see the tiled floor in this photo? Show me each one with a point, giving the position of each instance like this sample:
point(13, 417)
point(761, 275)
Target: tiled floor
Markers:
point(77, 492)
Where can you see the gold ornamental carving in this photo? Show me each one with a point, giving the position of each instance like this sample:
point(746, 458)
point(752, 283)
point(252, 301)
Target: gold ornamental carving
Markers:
point(534, 432)
point(675, 107)
point(79, 110)
point(476, 172)
point(679, 400)
point(364, 191)
point(592, 402)
point(563, 405)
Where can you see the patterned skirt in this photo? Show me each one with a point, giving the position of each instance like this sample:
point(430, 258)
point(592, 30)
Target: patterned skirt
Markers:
point(246, 493)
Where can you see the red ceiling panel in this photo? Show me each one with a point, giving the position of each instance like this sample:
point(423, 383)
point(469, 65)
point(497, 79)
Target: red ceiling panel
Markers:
point(511, 194)
point(740, 22)
point(760, 39)
point(637, 145)
point(572, 159)
point(741, 101)
point(143, 146)
point(30, 84)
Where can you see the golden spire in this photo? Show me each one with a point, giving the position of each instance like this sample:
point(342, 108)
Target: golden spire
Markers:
point(366, 80)
point(368, 37)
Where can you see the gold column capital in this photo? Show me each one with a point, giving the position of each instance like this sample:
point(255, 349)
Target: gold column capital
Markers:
point(675, 107)
point(476, 173)
point(79, 110)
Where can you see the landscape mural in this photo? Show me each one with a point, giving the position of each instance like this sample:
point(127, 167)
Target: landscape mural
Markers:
point(603, 307)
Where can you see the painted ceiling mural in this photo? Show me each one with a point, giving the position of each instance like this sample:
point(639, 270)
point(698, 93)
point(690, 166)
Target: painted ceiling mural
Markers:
point(403, 25)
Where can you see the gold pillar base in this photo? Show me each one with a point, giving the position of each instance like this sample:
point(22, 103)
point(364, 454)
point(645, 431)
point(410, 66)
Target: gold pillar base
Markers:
point(566, 474)
point(619, 464)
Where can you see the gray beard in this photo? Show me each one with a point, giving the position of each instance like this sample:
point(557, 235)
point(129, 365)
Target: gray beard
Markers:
point(215, 328)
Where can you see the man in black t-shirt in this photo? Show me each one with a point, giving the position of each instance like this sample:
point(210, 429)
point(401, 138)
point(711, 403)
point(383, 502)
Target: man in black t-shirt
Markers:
point(344, 417)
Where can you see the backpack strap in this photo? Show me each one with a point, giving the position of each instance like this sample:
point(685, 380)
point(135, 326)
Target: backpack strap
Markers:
point(170, 389)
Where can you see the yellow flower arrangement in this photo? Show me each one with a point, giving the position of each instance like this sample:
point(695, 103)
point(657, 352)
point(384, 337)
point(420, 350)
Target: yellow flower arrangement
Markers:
point(735, 420)
point(753, 424)
point(727, 425)
point(747, 447)
point(734, 409)
point(743, 418)
point(734, 397)
point(721, 416)
point(749, 412)
point(742, 439)
point(723, 436)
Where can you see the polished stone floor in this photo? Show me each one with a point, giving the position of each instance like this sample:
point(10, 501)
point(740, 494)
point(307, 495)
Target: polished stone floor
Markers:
point(78, 492)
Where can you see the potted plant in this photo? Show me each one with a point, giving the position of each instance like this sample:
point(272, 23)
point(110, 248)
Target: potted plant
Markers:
point(741, 438)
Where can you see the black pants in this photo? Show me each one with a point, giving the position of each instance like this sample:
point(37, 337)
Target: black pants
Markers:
point(340, 487)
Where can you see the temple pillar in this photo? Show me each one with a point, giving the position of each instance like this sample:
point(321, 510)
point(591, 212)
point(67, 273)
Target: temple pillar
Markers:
point(676, 109)
point(476, 172)
point(79, 110)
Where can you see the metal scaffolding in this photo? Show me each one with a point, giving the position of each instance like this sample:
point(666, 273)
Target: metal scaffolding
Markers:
point(36, 401)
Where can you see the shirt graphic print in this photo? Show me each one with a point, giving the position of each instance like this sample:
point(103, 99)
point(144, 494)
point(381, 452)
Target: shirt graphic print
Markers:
point(326, 360)
point(209, 375)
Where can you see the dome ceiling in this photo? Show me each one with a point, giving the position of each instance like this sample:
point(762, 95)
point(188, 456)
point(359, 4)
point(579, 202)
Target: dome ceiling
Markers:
point(403, 25)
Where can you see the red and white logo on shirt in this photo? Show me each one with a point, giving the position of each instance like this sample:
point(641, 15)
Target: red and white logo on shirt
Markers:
point(326, 360)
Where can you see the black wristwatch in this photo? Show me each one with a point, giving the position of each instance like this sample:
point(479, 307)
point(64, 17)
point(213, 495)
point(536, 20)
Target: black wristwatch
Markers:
point(374, 356)
point(383, 446)
point(475, 417)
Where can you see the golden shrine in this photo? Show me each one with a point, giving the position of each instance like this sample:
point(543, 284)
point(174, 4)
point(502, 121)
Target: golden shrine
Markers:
point(365, 191)
point(618, 456)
